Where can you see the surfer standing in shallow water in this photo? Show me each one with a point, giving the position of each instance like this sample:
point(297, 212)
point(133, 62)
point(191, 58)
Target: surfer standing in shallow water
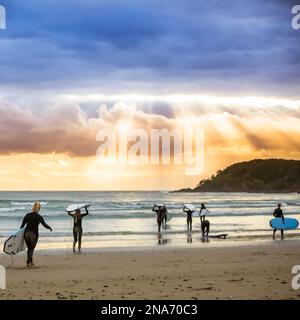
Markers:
point(205, 224)
point(161, 213)
point(77, 227)
point(31, 235)
point(278, 214)
point(189, 218)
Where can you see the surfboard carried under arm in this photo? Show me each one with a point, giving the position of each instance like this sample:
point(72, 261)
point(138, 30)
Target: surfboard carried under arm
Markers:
point(15, 243)
point(284, 224)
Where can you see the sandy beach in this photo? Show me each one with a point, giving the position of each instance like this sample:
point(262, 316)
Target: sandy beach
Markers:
point(259, 270)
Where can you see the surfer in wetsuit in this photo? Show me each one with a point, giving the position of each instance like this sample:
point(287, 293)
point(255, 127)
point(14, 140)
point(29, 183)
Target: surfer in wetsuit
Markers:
point(189, 218)
point(31, 235)
point(77, 227)
point(161, 214)
point(205, 224)
point(278, 214)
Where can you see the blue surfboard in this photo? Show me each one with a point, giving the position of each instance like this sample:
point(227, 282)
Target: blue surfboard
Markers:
point(289, 223)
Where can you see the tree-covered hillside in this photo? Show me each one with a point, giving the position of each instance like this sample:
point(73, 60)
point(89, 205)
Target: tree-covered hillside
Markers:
point(274, 175)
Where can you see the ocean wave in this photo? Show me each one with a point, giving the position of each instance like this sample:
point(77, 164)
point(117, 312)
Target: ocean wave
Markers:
point(27, 204)
point(15, 214)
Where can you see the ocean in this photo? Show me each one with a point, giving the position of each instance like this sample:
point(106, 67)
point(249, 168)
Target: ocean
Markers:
point(125, 219)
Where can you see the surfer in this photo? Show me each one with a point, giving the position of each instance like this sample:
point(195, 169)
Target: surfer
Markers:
point(31, 235)
point(161, 212)
point(278, 214)
point(189, 218)
point(77, 227)
point(205, 224)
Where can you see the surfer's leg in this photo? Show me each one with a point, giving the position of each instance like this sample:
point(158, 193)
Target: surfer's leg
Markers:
point(75, 240)
point(203, 229)
point(79, 240)
point(274, 232)
point(282, 237)
point(207, 228)
point(34, 243)
point(30, 240)
point(28, 244)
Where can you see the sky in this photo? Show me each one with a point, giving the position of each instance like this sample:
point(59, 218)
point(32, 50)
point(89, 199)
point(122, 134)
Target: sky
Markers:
point(69, 68)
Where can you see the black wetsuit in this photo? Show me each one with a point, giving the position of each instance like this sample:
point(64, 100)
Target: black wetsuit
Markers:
point(32, 221)
point(205, 224)
point(278, 214)
point(189, 219)
point(77, 227)
point(160, 215)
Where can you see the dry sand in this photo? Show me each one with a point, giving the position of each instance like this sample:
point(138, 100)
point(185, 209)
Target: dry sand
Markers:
point(255, 271)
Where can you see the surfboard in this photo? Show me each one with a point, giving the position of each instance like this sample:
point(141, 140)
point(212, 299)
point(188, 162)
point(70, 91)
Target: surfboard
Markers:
point(15, 243)
point(73, 207)
point(169, 216)
point(219, 236)
point(190, 207)
point(159, 205)
point(289, 223)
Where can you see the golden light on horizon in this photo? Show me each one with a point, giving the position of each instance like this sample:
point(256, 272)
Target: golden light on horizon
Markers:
point(236, 129)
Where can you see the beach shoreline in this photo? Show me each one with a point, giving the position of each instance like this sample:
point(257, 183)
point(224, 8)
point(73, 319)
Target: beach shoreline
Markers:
point(240, 270)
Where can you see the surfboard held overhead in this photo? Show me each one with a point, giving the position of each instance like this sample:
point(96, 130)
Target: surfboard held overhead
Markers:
point(74, 207)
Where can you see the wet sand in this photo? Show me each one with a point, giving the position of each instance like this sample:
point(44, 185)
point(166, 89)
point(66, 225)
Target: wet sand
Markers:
point(254, 271)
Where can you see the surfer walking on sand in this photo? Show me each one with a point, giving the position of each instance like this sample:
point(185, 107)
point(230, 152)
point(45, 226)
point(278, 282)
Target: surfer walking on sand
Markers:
point(77, 227)
point(205, 224)
point(31, 235)
point(278, 214)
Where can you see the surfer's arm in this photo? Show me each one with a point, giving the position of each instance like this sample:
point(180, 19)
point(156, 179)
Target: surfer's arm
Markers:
point(70, 214)
point(44, 224)
point(24, 222)
point(200, 213)
point(85, 214)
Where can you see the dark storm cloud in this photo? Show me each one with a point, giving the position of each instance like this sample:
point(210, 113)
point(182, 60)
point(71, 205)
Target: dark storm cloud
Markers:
point(138, 45)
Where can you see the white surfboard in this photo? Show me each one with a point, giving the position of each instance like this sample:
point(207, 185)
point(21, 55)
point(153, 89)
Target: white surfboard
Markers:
point(74, 207)
point(190, 207)
point(159, 205)
point(15, 243)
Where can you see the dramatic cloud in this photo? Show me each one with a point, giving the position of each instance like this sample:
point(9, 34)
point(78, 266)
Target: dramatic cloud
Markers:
point(230, 127)
point(150, 46)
